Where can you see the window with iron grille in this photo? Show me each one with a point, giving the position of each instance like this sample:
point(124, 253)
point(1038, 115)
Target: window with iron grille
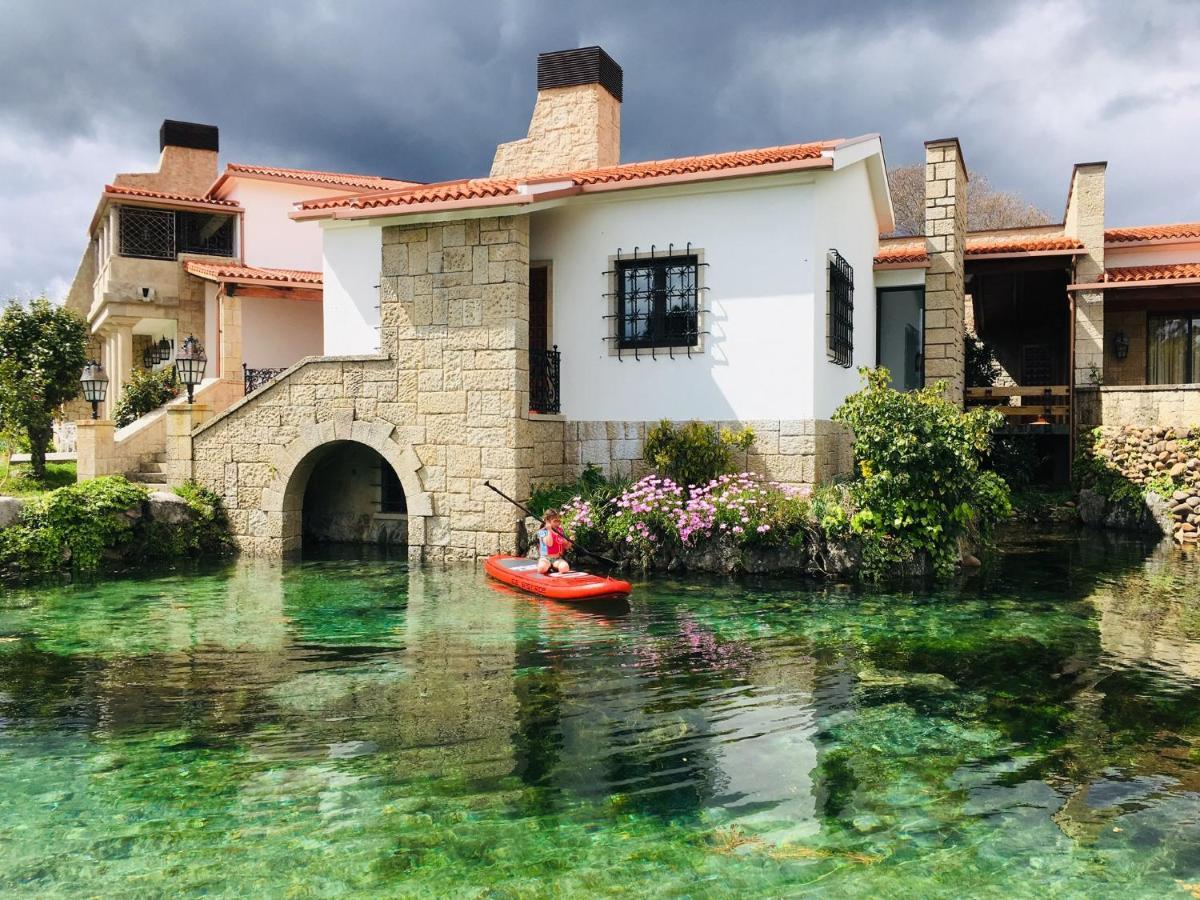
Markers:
point(658, 302)
point(162, 233)
point(840, 306)
point(147, 233)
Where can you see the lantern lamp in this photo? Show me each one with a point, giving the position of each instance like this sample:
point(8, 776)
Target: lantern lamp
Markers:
point(189, 364)
point(1121, 344)
point(95, 385)
point(164, 349)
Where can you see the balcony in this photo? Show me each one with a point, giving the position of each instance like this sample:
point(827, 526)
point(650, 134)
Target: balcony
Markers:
point(544, 381)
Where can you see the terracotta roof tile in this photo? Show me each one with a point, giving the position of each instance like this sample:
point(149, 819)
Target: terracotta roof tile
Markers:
point(237, 272)
point(125, 190)
point(900, 253)
point(1153, 233)
point(1020, 243)
point(319, 178)
point(1163, 272)
point(481, 188)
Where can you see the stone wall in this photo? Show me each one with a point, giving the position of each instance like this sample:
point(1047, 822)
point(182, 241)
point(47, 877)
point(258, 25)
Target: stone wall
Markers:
point(1132, 369)
point(447, 405)
point(1143, 406)
point(794, 452)
point(1153, 456)
point(945, 239)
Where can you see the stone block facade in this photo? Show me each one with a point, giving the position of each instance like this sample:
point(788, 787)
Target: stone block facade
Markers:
point(808, 452)
point(572, 128)
point(446, 403)
point(1143, 406)
point(945, 242)
point(1084, 220)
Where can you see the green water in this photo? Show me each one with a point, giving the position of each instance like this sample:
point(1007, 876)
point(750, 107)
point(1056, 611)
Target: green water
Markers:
point(353, 727)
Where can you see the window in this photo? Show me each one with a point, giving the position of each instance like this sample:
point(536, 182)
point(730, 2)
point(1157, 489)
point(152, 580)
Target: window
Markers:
point(391, 493)
point(899, 343)
point(163, 233)
point(1173, 349)
point(658, 302)
point(840, 310)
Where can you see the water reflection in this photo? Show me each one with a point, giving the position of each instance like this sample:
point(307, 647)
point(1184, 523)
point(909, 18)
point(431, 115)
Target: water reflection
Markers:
point(348, 724)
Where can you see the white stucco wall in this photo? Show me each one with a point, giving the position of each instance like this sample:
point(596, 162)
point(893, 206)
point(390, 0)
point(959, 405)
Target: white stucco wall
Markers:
point(351, 262)
point(757, 362)
point(1152, 255)
point(279, 332)
point(271, 239)
point(846, 215)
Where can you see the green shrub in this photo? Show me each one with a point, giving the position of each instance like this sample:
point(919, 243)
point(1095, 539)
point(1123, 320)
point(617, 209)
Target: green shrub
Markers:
point(592, 484)
point(73, 526)
point(81, 527)
point(921, 485)
point(144, 392)
point(694, 453)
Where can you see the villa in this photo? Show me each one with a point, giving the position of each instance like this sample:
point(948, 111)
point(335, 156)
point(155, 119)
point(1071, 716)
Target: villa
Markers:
point(378, 348)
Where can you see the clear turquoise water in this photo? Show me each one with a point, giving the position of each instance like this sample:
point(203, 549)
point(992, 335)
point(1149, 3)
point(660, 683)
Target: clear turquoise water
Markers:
point(347, 727)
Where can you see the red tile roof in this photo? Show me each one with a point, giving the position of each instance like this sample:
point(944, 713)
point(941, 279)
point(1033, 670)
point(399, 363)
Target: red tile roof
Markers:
point(631, 173)
point(240, 273)
point(899, 254)
point(316, 178)
point(1139, 233)
point(1019, 243)
point(1150, 274)
point(126, 191)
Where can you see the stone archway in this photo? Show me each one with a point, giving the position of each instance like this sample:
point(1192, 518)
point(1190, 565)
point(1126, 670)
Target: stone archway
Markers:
point(283, 498)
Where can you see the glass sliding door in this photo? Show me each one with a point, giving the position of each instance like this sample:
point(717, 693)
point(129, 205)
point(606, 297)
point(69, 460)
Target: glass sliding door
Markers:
point(902, 335)
point(1173, 349)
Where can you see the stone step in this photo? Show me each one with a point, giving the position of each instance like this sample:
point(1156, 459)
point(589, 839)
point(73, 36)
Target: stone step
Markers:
point(147, 478)
point(151, 467)
point(160, 456)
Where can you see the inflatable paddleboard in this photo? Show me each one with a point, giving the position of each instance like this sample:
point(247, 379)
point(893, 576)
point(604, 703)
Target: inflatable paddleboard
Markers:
point(521, 572)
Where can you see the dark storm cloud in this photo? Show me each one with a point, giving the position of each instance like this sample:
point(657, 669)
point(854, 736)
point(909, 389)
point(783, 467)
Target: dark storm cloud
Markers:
point(426, 90)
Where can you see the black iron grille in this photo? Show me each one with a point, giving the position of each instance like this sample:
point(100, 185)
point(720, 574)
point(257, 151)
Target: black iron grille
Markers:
point(253, 379)
point(163, 233)
point(544, 368)
point(841, 310)
point(587, 65)
point(147, 233)
point(657, 303)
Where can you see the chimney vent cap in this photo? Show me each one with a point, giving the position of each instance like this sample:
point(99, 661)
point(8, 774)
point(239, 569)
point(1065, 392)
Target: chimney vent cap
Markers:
point(187, 134)
point(585, 65)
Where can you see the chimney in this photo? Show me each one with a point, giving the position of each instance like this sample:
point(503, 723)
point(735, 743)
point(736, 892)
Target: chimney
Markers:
point(945, 240)
point(187, 162)
point(576, 121)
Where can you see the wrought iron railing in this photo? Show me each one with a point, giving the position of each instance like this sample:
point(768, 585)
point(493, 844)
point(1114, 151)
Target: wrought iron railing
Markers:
point(544, 381)
point(253, 379)
point(162, 233)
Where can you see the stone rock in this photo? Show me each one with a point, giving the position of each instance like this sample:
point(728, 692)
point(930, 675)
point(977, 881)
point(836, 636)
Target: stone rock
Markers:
point(10, 510)
point(1177, 469)
point(170, 509)
point(1092, 507)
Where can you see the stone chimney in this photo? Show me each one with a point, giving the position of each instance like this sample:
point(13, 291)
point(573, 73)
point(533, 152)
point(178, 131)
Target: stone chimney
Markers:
point(576, 121)
point(1084, 219)
point(187, 161)
point(945, 240)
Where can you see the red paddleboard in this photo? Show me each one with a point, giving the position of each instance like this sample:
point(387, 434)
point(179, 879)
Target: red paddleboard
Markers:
point(521, 572)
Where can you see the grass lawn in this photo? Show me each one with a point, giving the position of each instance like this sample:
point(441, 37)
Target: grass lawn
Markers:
point(16, 480)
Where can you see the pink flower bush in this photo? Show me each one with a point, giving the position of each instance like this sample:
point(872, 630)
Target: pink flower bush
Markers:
point(740, 504)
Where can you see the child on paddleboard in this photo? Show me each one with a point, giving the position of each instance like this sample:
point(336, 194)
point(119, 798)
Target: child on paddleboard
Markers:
point(552, 544)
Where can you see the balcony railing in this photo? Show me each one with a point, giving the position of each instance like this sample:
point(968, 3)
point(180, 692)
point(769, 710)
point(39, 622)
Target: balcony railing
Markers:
point(543, 381)
point(1034, 405)
point(253, 379)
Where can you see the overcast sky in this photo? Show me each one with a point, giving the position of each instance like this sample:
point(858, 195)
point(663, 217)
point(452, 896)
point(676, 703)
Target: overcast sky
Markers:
point(426, 90)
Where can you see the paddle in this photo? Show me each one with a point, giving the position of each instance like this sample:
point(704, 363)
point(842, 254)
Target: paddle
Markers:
point(529, 512)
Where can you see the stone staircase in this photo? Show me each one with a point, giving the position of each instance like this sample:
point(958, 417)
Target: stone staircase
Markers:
point(151, 471)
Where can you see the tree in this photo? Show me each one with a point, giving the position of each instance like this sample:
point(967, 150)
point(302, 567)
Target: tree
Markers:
point(987, 208)
point(42, 350)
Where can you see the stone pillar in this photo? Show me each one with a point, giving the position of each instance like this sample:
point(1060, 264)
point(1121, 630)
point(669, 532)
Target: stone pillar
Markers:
point(230, 311)
point(1084, 220)
point(182, 420)
point(104, 341)
point(945, 237)
point(122, 350)
point(94, 450)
